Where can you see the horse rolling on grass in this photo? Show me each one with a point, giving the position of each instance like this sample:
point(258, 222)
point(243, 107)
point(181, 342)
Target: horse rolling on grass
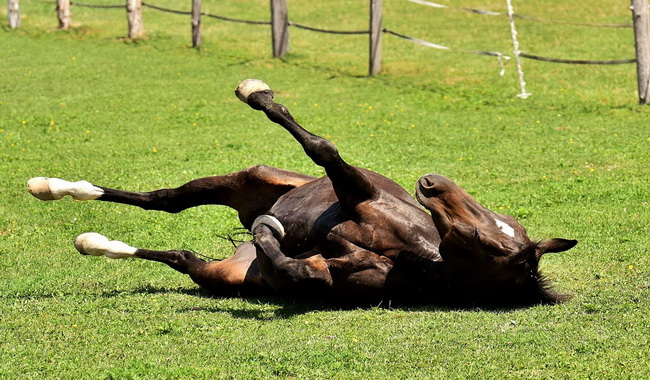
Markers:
point(352, 236)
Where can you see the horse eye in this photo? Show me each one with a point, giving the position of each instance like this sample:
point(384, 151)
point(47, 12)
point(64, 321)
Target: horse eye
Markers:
point(520, 263)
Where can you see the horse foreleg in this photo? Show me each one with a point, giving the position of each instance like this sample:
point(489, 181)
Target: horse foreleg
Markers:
point(239, 273)
point(251, 192)
point(350, 184)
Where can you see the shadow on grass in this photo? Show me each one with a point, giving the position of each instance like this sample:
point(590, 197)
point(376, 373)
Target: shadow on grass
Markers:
point(267, 306)
point(270, 306)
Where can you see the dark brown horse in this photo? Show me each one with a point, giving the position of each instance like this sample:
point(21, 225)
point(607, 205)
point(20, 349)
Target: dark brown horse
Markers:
point(352, 235)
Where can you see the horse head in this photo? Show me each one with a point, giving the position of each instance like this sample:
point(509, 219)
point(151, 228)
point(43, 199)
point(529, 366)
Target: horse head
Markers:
point(488, 255)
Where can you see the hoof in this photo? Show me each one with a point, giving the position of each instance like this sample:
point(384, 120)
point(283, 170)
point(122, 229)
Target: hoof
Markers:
point(91, 243)
point(248, 87)
point(94, 244)
point(51, 189)
point(40, 188)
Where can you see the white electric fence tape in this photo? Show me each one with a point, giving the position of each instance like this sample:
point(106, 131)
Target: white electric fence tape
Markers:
point(515, 45)
point(500, 56)
point(473, 10)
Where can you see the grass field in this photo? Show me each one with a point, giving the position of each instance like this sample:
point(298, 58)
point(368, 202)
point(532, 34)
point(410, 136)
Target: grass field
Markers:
point(571, 161)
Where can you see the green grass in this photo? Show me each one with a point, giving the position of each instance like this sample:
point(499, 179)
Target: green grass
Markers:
point(571, 161)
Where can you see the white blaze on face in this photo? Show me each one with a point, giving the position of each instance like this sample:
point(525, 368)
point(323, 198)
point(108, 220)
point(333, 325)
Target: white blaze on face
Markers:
point(505, 227)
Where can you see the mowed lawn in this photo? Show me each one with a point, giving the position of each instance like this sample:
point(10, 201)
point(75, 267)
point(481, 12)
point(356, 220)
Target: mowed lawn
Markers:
point(571, 161)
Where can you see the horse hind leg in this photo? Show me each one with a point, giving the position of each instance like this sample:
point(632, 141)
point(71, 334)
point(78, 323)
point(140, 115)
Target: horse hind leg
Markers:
point(251, 192)
point(94, 244)
point(232, 276)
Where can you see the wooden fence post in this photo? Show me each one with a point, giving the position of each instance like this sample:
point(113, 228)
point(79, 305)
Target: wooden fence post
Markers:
point(134, 15)
point(375, 36)
point(642, 41)
point(279, 28)
point(196, 23)
point(63, 13)
point(13, 13)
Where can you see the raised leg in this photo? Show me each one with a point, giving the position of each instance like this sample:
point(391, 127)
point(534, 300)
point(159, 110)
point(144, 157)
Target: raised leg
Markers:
point(235, 275)
point(251, 192)
point(350, 184)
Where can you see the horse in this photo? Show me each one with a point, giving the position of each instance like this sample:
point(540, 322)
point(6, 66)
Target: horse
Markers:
point(352, 236)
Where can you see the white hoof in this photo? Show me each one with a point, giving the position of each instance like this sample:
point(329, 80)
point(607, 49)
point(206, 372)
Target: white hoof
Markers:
point(94, 244)
point(40, 188)
point(50, 189)
point(248, 87)
point(271, 222)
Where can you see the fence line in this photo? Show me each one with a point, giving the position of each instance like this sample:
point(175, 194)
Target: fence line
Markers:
point(280, 24)
point(641, 23)
point(403, 36)
point(519, 15)
point(168, 10)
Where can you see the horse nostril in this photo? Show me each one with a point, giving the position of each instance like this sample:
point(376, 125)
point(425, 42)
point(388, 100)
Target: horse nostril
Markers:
point(427, 183)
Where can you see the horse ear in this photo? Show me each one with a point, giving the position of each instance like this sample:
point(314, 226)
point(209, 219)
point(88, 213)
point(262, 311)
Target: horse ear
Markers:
point(554, 245)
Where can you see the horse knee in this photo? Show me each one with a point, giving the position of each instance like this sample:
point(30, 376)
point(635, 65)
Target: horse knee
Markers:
point(322, 151)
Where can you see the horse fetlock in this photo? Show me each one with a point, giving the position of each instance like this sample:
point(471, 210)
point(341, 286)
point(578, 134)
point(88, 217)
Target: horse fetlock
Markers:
point(50, 189)
point(94, 244)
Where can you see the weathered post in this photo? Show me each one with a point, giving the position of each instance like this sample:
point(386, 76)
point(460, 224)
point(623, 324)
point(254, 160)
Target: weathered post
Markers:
point(63, 13)
point(375, 36)
point(642, 41)
point(134, 16)
point(279, 28)
point(196, 23)
point(13, 13)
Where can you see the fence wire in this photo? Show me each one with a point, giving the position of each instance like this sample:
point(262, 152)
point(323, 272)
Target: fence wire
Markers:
point(518, 15)
point(329, 31)
point(187, 13)
point(578, 61)
point(500, 56)
point(442, 47)
point(123, 6)
point(223, 18)
point(166, 9)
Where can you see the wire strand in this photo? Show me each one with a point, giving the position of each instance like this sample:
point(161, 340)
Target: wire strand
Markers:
point(300, 26)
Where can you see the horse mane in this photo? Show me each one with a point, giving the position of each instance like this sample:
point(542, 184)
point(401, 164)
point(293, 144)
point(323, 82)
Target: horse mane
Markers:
point(538, 289)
